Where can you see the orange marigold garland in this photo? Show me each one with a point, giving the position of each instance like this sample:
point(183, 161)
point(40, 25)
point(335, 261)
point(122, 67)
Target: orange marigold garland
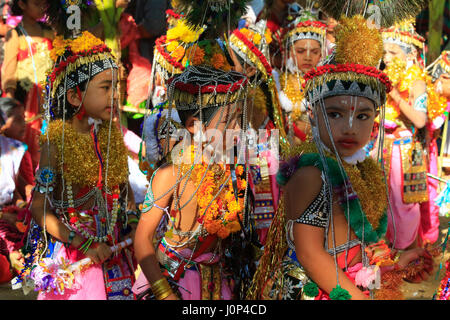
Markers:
point(219, 210)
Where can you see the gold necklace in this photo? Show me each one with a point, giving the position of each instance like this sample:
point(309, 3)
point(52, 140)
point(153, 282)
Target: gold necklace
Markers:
point(80, 163)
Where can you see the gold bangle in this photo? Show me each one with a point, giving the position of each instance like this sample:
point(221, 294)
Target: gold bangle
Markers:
point(161, 288)
point(164, 295)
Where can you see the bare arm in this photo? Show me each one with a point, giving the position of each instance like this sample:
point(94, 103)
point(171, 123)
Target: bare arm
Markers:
point(309, 240)
point(148, 223)
point(417, 117)
point(42, 214)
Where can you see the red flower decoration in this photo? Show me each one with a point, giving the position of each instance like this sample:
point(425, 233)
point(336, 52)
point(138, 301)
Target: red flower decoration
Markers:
point(255, 50)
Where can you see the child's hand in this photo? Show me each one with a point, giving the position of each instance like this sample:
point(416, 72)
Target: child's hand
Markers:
point(408, 258)
point(99, 253)
point(17, 260)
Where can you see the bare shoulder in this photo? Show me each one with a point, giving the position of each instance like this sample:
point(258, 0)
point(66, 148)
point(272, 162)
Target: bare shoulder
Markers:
point(164, 179)
point(303, 187)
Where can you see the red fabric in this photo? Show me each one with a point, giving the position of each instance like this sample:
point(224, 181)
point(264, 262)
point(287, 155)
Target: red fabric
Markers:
point(10, 238)
point(138, 79)
point(23, 54)
point(299, 133)
point(26, 168)
point(341, 263)
point(32, 129)
point(5, 272)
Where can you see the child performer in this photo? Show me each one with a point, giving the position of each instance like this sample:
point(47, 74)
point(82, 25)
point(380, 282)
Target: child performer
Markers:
point(406, 128)
point(304, 49)
point(193, 208)
point(27, 58)
point(82, 203)
point(334, 202)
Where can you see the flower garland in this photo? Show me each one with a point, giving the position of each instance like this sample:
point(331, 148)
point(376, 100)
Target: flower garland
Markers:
point(81, 165)
point(219, 213)
point(403, 78)
point(164, 58)
point(206, 52)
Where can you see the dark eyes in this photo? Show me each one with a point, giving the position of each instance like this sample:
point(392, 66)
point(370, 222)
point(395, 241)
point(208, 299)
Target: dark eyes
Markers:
point(337, 115)
point(334, 115)
point(363, 116)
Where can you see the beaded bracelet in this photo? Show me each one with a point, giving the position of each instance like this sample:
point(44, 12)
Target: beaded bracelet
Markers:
point(161, 289)
point(69, 241)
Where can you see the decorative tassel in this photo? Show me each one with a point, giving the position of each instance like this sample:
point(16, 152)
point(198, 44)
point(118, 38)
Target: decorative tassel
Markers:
point(339, 293)
point(311, 289)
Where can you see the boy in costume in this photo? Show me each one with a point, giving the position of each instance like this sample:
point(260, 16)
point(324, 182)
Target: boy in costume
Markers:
point(195, 214)
point(324, 241)
point(406, 130)
point(304, 47)
point(82, 204)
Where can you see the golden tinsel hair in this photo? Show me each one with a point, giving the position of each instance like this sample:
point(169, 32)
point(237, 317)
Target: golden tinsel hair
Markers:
point(357, 43)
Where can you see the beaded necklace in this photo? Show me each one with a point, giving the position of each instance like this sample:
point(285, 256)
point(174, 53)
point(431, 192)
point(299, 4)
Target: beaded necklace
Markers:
point(81, 167)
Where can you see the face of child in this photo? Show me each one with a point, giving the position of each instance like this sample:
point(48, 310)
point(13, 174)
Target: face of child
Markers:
point(442, 85)
point(391, 51)
point(351, 121)
point(35, 9)
point(14, 127)
point(306, 54)
point(101, 95)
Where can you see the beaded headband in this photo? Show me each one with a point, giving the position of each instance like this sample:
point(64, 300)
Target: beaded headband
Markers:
point(251, 44)
point(309, 29)
point(404, 35)
point(76, 61)
point(358, 50)
point(201, 87)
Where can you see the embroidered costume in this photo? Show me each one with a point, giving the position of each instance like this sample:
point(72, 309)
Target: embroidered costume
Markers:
point(291, 93)
point(355, 183)
point(85, 189)
point(406, 159)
